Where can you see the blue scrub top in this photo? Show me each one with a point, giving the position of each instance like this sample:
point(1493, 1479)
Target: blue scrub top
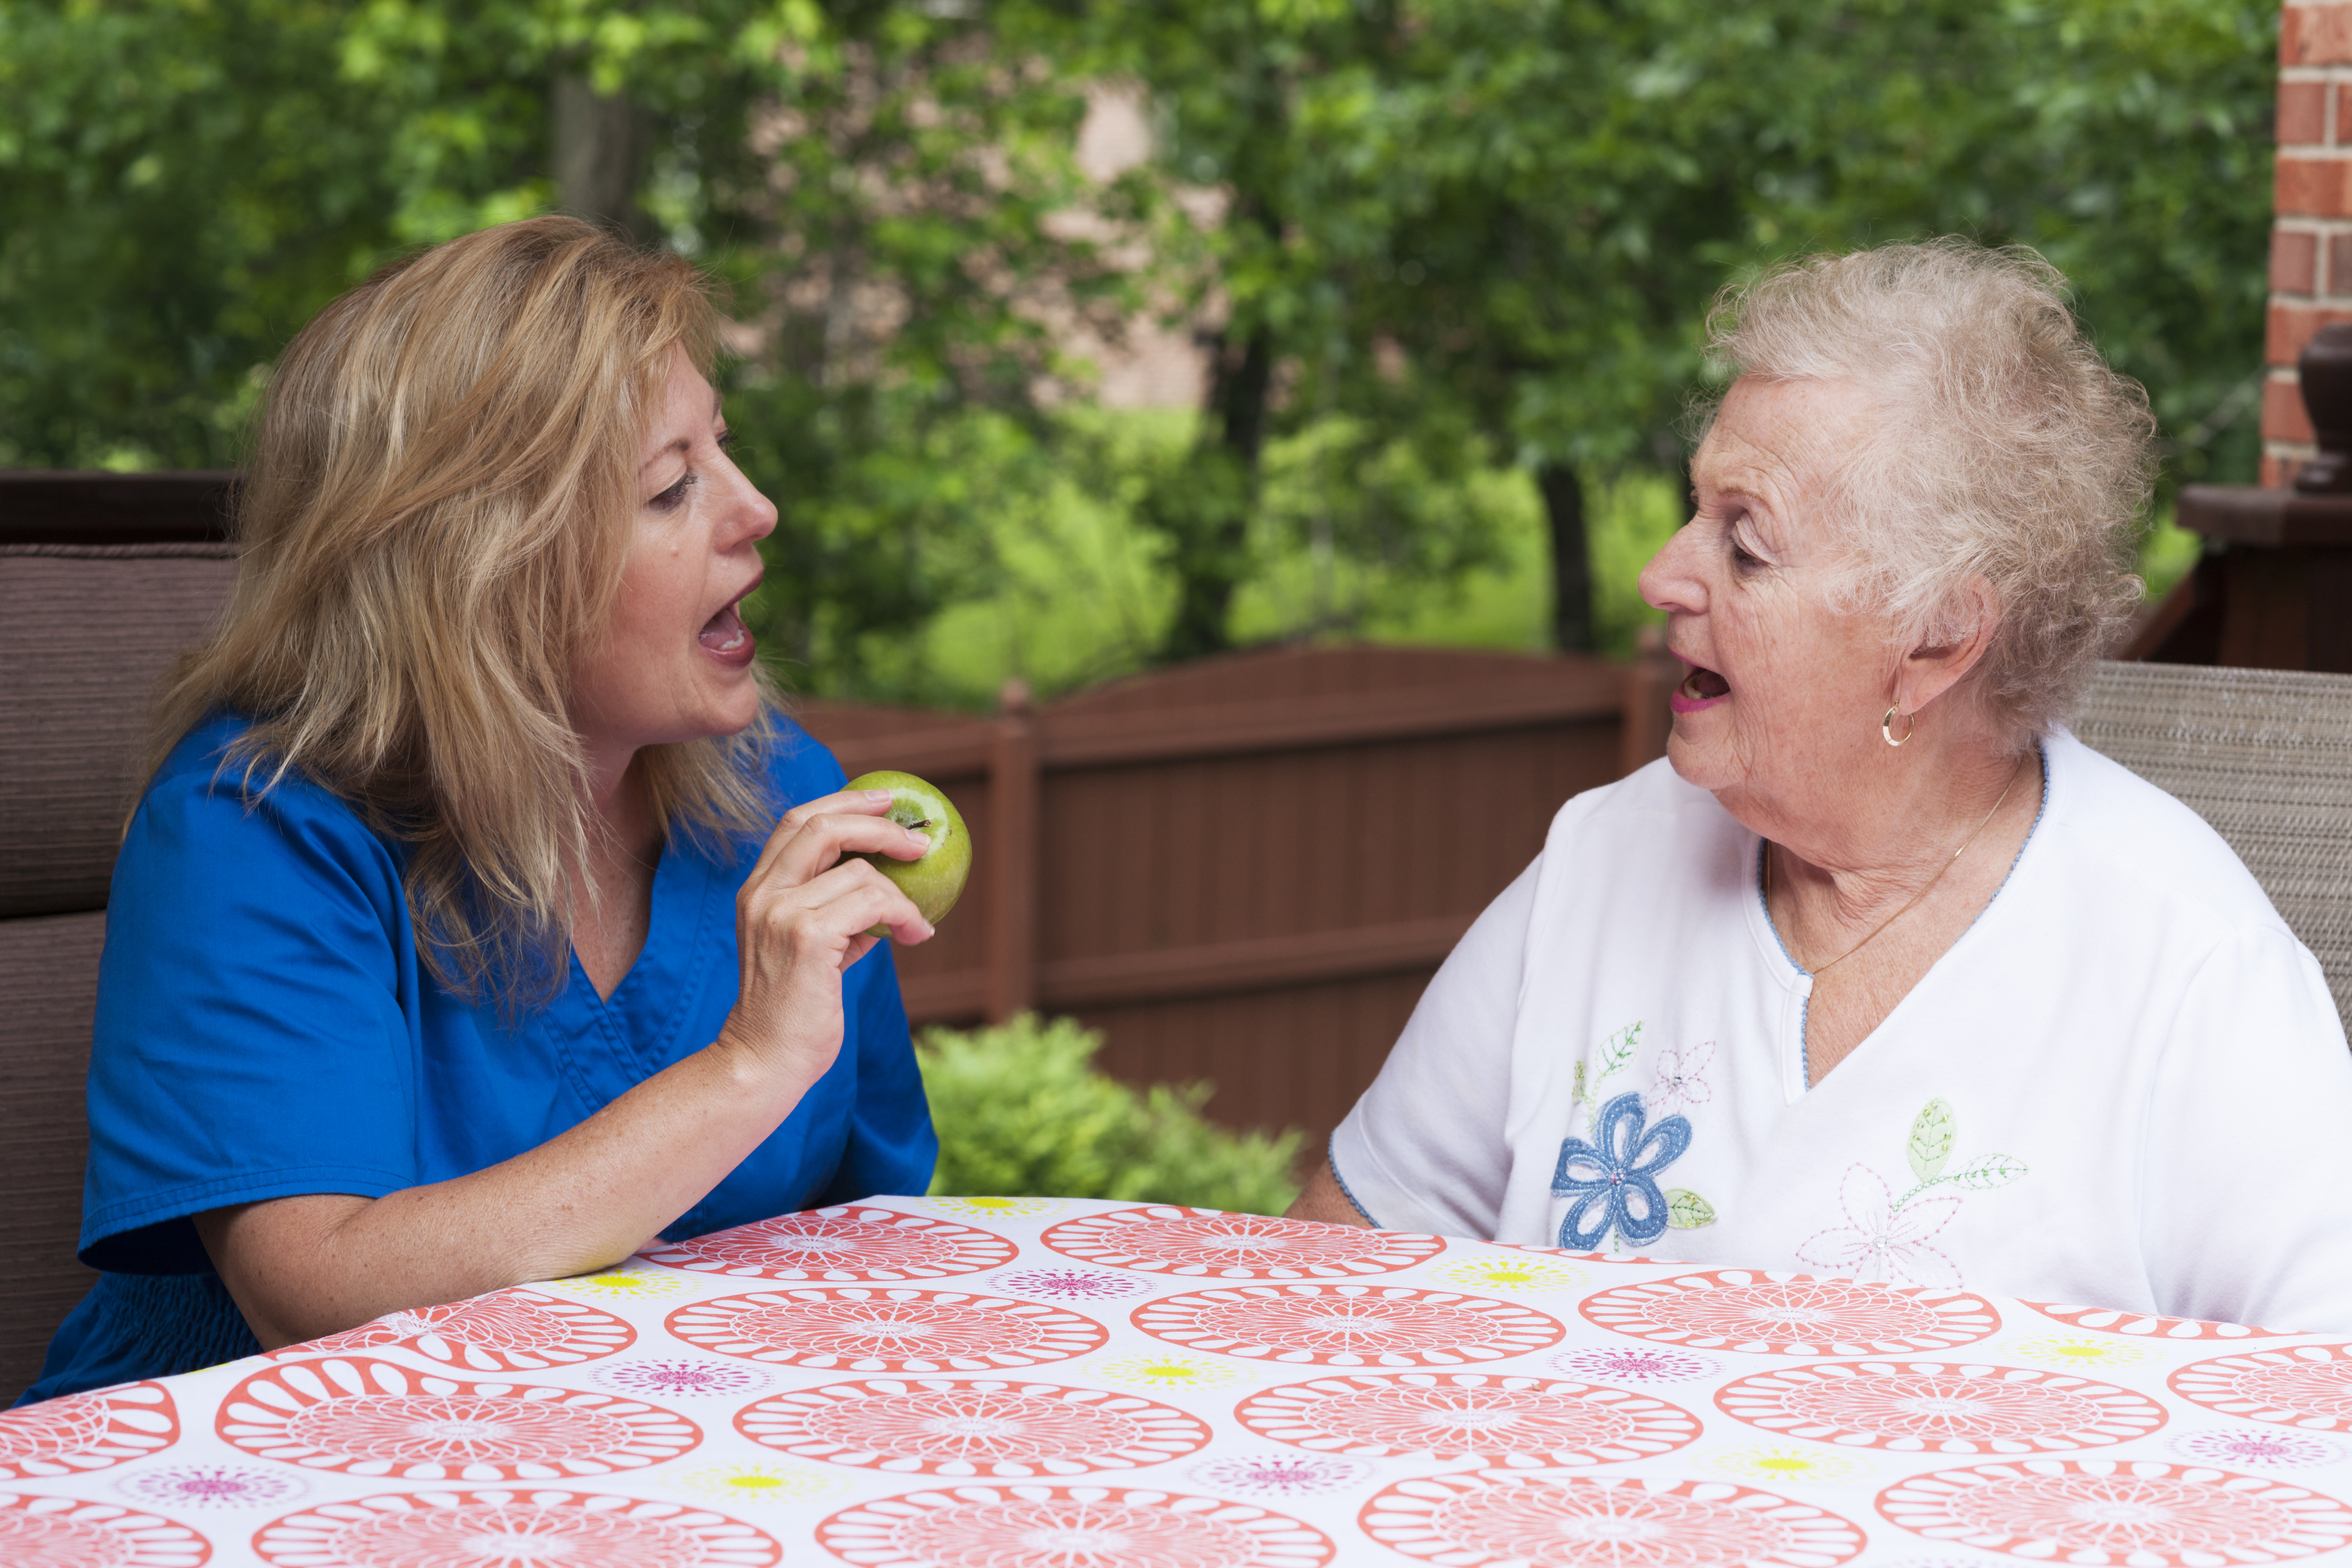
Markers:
point(265, 1029)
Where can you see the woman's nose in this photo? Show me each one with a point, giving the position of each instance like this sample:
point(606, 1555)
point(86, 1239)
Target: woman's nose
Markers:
point(750, 515)
point(1671, 581)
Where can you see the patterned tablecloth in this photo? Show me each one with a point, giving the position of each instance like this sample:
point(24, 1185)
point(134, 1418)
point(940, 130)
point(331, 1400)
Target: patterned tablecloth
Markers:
point(1028, 1383)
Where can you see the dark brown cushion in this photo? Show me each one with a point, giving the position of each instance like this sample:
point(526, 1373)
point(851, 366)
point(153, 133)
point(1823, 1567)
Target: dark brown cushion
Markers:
point(48, 988)
point(84, 631)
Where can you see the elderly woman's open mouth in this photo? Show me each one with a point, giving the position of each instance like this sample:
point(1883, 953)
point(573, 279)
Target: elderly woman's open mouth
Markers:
point(1700, 688)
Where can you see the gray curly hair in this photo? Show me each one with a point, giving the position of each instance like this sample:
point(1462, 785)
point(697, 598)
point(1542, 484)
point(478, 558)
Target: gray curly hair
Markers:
point(2002, 449)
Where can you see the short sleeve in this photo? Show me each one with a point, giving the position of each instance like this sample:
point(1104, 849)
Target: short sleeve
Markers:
point(1424, 1148)
point(2247, 1178)
point(250, 1040)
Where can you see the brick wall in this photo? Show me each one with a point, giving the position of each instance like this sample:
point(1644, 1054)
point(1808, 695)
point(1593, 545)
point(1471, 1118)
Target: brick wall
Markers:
point(2311, 238)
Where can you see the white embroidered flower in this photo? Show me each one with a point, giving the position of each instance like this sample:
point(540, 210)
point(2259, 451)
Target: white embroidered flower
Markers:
point(1883, 1243)
point(1681, 1077)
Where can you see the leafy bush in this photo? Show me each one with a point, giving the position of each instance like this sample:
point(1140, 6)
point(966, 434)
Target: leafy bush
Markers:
point(1021, 1111)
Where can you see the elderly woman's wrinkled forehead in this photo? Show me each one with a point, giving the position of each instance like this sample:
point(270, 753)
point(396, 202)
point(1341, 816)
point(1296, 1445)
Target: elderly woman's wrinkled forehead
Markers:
point(1781, 441)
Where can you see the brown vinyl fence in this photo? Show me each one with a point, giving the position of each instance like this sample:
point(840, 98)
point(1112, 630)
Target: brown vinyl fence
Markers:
point(1246, 869)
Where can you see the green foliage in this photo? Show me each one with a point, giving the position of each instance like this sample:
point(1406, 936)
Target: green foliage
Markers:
point(1020, 1111)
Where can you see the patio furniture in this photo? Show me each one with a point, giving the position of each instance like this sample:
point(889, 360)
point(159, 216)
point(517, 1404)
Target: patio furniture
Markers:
point(103, 581)
point(2265, 755)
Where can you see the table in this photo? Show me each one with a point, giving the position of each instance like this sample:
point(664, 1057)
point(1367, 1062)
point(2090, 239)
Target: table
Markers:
point(1032, 1383)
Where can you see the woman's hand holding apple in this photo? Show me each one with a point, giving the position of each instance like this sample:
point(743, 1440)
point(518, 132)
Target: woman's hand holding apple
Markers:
point(807, 912)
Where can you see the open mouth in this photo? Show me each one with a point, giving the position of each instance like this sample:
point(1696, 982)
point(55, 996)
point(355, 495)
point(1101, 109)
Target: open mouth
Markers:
point(725, 637)
point(1700, 688)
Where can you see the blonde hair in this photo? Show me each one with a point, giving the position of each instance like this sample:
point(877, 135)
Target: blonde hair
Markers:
point(2001, 449)
point(433, 529)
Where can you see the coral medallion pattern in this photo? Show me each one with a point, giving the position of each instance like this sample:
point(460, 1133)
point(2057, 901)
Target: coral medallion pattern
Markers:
point(887, 1329)
point(1069, 1527)
point(512, 1529)
point(943, 1426)
point(1791, 1314)
point(2108, 1321)
point(1206, 1242)
point(1474, 1520)
point(1348, 1325)
point(2309, 1387)
point(847, 1245)
point(87, 1431)
point(363, 1417)
point(1468, 1417)
point(71, 1533)
point(512, 1330)
point(1934, 1408)
point(2139, 1514)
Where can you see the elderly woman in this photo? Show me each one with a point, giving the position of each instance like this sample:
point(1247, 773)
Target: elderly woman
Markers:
point(456, 941)
point(1881, 973)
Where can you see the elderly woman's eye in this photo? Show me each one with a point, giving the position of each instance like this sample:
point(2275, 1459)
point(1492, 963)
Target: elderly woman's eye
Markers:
point(672, 497)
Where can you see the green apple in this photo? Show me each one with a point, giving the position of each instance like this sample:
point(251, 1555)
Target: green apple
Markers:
point(935, 880)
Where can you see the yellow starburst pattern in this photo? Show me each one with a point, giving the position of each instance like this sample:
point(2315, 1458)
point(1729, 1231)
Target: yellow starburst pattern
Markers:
point(1505, 1271)
point(1171, 1370)
point(760, 1483)
point(998, 1208)
point(1772, 1462)
point(2078, 1350)
point(626, 1284)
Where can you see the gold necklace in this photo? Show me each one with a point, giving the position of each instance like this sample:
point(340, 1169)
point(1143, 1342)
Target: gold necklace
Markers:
point(1923, 892)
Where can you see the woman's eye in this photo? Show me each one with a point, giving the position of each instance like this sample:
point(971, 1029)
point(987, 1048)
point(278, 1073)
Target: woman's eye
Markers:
point(672, 497)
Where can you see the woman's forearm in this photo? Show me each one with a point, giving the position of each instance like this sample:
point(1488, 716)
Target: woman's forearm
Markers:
point(299, 1267)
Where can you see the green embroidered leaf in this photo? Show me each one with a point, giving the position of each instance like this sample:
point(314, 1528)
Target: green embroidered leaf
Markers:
point(1931, 1140)
point(1685, 1210)
point(1617, 1051)
point(1576, 1086)
point(1987, 1172)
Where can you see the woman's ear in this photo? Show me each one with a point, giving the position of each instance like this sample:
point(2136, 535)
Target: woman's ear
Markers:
point(1937, 665)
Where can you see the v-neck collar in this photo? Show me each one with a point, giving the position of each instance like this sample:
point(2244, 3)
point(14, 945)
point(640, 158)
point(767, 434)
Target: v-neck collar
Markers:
point(637, 1022)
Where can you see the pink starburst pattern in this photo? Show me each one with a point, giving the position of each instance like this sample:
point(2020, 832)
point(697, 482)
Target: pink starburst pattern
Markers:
point(1280, 1475)
point(1348, 1325)
point(986, 1427)
point(884, 1329)
point(2141, 1513)
point(2146, 1325)
point(1791, 1314)
point(365, 1417)
point(1473, 1520)
point(2309, 1386)
point(1208, 1242)
point(1923, 1406)
point(1069, 1527)
point(681, 1378)
point(1488, 1418)
point(87, 1431)
point(71, 1532)
point(510, 1330)
point(2257, 1446)
point(848, 1245)
point(1634, 1363)
point(209, 1486)
point(507, 1529)
point(1070, 1284)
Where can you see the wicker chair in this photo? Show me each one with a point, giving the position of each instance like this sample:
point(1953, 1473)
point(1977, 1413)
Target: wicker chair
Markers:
point(102, 582)
point(2265, 755)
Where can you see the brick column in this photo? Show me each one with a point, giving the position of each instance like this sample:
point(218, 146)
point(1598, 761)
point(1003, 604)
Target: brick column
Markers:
point(2311, 235)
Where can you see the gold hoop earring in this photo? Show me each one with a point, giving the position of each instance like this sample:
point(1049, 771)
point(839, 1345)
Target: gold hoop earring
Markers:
point(1887, 725)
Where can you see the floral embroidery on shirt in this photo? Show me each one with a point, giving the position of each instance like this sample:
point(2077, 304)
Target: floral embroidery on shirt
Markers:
point(1612, 1176)
point(1889, 1238)
point(1680, 1078)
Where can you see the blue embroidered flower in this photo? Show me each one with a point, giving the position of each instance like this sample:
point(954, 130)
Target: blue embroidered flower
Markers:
point(1616, 1183)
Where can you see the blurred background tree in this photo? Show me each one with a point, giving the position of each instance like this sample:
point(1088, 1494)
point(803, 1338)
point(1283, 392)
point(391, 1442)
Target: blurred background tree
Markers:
point(1448, 259)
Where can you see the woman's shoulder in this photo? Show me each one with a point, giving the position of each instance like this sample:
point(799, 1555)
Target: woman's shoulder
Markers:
point(1651, 812)
point(209, 771)
point(799, 766)
point(2130, 844)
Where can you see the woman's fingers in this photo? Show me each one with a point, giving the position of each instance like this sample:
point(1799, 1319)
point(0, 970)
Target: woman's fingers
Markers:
point(826, 911)
point(870, 803)
point(808, 842)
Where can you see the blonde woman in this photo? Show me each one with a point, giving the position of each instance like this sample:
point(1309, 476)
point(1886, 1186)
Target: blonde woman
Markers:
point(456, 941)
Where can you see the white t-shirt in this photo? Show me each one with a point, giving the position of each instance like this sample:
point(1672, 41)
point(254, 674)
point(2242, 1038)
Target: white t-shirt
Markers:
point(2125, 1086)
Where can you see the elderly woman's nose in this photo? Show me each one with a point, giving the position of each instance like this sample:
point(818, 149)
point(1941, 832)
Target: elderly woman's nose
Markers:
point(1670, 582)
